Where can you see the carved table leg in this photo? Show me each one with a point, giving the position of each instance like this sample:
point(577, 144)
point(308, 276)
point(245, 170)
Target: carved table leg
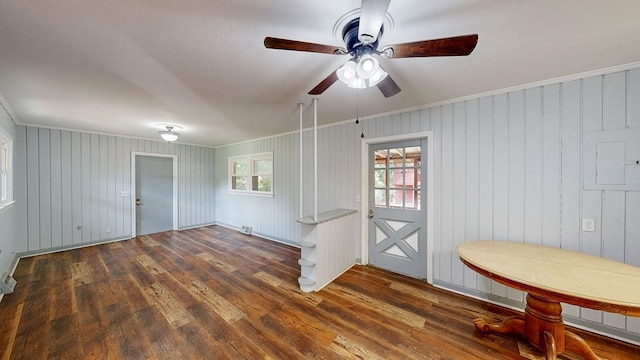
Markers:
point(577, 344)
point(543, 327)
point(513, 324)
point(549, 346)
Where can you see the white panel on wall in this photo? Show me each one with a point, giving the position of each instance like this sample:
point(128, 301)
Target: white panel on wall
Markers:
point(501, 177)
point(128, 187)
point(592, 103)
point(592, 209)
point(459, 182)
point(44, 173)
point(435, 116)
point(85, 223)
point(56, 190)
point(571, 165)
point(94, 185)
point(610, 163)
point(485, 180)
point(516, 179)
point(633, 94)
point(516, 164)
point(472, 184)
point(446, 205)
point(632, 242)
point(119, 186)
point(76, 186)
point(533, 166)
point(112, 176)
point(33, 189)
point(551, 165)
point(613, 224)
point(614, 101)
point(67, 190)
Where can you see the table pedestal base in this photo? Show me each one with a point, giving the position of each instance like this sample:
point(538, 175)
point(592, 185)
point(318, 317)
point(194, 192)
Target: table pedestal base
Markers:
point(543, 327)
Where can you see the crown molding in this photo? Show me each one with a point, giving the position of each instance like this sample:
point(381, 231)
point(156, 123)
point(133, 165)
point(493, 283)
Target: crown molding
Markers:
point(5, 105)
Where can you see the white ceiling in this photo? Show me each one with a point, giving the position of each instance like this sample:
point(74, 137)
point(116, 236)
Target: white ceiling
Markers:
point(122, 66)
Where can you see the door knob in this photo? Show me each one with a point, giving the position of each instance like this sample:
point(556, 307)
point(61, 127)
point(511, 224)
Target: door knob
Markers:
point(138, 202)
point(370, 213)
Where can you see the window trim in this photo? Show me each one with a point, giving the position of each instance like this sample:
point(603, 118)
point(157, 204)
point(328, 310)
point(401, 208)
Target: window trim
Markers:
point(249, 158)
point(6, 142)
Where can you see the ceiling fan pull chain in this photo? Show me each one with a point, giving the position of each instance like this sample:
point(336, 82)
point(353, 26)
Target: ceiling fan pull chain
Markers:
point(358, 114)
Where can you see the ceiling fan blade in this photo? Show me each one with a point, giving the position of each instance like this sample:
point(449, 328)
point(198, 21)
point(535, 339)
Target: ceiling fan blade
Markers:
point(324, 84)
point(388, 87)
point(286, 44)
point(452, 46)
point(372, 15)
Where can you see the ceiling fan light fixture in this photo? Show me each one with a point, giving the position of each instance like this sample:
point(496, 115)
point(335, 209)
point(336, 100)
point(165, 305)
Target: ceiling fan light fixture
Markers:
point(367, 66)
point(347, 72)
point(169, 135)
point(377, 77)
point(357, 83)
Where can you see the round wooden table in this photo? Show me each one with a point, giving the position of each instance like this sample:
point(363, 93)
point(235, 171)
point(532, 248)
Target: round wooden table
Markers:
point(551, 276)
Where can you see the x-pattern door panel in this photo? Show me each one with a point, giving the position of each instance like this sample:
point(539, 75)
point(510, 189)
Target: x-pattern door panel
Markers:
point(397, 226)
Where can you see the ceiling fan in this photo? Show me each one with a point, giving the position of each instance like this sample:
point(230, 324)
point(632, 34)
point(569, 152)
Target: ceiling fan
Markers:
point(360, 36)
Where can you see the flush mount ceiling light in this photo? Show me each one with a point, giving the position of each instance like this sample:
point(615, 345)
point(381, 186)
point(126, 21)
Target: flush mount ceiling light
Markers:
point(169, 135)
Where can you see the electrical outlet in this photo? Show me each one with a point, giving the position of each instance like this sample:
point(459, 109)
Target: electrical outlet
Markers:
point(588, 225)
point(108, 229)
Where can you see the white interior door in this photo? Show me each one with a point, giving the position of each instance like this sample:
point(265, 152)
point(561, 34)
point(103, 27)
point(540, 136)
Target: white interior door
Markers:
point(154, 194)
point(397, 201)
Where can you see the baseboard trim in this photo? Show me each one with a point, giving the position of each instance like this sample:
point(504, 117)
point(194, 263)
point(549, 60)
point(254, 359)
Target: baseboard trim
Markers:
point(260, 235)
point(596, 328)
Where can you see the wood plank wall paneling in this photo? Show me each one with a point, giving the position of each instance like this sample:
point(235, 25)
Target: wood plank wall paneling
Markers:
point(76, 179)
point(472, 182)
point(506, 166)
point(533, 165)
point(11, 218)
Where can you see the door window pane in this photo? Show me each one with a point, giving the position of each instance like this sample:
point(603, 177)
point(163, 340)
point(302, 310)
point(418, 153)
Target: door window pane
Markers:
point(412, 199)
point(380, 178)
point(380, 196)
point(396, 157)
point(380, 160)
point(397, 177)
point(396, 198)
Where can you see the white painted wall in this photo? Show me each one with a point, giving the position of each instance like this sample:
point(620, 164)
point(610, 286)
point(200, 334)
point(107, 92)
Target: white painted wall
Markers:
point(506, 166)
point(74, 179)
point(8, 216)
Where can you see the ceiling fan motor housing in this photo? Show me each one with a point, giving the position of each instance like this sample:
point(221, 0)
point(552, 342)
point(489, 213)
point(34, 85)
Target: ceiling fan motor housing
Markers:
point(354, 46)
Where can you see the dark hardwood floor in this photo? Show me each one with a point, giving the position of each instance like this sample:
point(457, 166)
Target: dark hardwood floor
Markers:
point(213, 293)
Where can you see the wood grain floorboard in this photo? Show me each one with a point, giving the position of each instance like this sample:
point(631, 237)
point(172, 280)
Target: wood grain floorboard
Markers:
point(214, 293)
